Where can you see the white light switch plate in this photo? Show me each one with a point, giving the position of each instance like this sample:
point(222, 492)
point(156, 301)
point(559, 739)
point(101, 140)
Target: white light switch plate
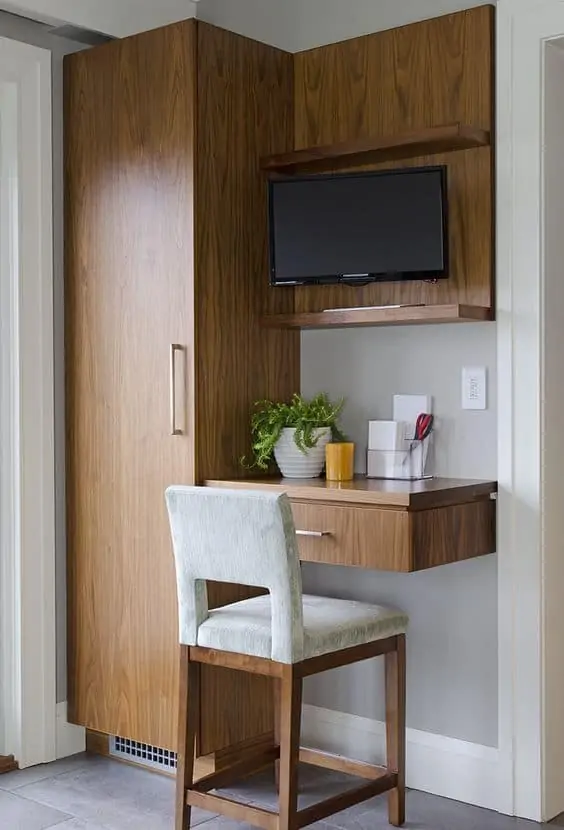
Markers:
point(474, 392)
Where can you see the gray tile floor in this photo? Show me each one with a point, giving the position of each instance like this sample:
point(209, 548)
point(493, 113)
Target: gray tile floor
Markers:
point(90, 793)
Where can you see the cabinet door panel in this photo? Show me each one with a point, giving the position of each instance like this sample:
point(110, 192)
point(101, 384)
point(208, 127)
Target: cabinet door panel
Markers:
point(129, 113)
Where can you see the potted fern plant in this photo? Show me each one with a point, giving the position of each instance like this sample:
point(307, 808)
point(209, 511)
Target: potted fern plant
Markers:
point(295, 434)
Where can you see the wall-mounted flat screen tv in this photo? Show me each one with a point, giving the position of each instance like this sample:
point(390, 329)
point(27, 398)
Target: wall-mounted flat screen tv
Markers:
point(366, 227)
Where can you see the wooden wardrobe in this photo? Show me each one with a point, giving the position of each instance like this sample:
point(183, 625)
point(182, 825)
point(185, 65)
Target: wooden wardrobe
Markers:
point(166, 279)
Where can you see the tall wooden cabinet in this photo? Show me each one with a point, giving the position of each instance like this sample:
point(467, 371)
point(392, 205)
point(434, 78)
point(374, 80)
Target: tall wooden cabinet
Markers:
point(166, 280)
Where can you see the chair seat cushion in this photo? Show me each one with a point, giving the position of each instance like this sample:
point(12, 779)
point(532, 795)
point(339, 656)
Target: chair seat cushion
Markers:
point(329, 625)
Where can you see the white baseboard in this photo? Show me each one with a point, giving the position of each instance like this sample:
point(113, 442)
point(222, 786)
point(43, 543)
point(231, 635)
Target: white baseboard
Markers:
point(70, 739)
point(448, 767)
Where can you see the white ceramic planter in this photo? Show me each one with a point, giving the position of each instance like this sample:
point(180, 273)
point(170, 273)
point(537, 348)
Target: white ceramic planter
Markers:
point(293, 462)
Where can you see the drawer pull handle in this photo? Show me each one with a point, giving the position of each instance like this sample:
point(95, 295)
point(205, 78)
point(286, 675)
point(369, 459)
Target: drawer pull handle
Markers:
point(316, 534)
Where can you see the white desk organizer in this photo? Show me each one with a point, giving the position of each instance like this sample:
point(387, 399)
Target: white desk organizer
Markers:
point(393, 452)
point(408, 464)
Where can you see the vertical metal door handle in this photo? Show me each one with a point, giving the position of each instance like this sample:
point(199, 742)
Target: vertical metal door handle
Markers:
point(174, 347)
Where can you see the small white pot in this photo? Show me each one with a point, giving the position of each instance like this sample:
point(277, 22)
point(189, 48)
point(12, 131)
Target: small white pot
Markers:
point(293, 462)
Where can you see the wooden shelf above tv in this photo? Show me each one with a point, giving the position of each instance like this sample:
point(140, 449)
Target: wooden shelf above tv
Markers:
point(381, 316)
point(428, 141)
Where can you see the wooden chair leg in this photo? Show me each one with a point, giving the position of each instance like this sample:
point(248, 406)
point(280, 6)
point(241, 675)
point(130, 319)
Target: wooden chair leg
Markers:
point(188, 715)
point(395, 729)
point(290, 723)
point(277, 702)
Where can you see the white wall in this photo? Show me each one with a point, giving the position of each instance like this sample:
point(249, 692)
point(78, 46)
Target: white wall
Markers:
point(553, 449)
point(113, 17)
point(453, 609)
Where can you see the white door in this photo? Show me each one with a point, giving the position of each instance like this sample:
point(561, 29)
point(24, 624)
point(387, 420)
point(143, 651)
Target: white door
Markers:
point(27, 550)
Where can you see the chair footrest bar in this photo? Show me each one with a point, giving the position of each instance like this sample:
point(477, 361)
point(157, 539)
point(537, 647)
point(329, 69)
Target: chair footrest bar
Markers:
point(233, 809)
point(238, 770)
point(340, 763)
point(347, 799)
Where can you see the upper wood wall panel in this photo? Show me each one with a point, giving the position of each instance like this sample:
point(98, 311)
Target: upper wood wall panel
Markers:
point(436, 72)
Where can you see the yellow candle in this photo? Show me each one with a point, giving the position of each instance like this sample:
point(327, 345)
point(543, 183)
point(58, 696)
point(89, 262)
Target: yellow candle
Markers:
point(339, 459)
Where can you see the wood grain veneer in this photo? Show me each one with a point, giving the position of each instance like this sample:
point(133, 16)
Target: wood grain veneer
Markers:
point(427, 493)
point(129, 111)
point(361, 537)
point(426, 141)
point(416, 77)
point(389, 525)
point(389, 539)
point(444, 535)
point(7, 764)
point(355, 317)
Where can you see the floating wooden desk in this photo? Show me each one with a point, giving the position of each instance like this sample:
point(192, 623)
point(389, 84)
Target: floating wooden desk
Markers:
point(388, 525)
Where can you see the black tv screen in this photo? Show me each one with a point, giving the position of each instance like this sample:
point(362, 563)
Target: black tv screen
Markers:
point(359, 228)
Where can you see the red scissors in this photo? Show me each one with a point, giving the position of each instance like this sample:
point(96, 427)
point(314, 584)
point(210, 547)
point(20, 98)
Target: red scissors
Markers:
point(423, 427)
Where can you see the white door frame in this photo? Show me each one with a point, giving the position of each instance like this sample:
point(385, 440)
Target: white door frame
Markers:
point(529, 559)
point(27, 537)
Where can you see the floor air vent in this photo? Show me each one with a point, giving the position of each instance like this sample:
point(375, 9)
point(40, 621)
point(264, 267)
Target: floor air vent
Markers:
point(145, 754)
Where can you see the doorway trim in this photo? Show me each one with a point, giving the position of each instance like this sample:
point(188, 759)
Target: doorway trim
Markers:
point(27, 483)
point(531, 670)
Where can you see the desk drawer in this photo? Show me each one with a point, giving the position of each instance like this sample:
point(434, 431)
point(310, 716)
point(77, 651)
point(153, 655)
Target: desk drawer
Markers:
point(362, 537)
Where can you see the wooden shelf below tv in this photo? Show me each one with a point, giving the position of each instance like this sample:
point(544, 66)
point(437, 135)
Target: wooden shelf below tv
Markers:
point(381, 316)
point(424, 142)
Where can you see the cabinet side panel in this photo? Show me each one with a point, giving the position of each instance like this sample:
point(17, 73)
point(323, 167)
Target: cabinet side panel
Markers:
point(129, 123)
point(453, 533)
point(245, 110)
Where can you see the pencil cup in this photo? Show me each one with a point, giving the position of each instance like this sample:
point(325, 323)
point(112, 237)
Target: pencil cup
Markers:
point(409, 464)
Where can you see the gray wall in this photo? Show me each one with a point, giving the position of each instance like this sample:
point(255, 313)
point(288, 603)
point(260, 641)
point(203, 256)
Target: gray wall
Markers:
point(452, 646)
point(18, 28)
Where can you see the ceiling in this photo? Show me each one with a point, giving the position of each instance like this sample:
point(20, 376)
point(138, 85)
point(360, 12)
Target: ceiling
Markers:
point(118, 18)
point(290, 24)
point(296, 25)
